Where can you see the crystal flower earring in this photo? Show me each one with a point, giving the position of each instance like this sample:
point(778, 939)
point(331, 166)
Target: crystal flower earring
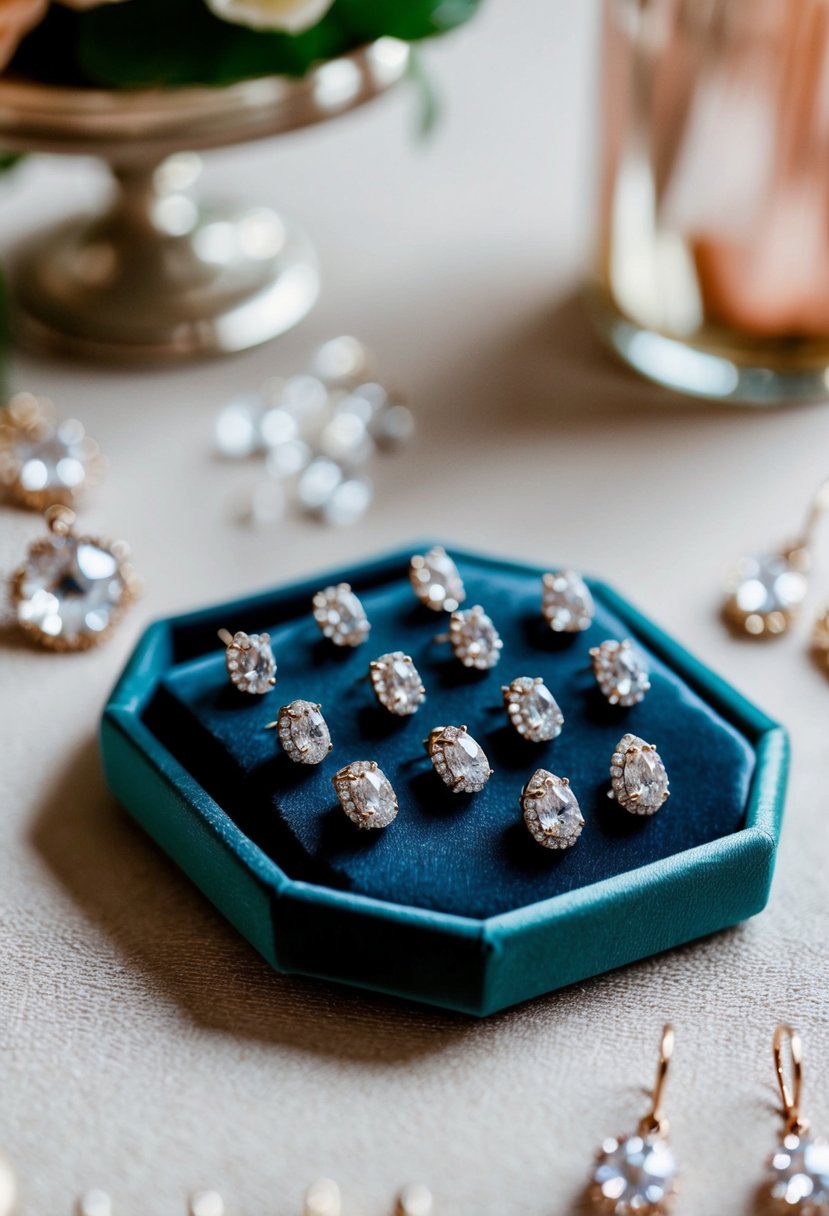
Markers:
point(764, 592)
point(798, 1179)
point(635, 1174)
point(71, 591)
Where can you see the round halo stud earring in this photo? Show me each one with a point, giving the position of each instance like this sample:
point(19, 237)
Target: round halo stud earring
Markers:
point(764, 592)
point(799, 1167)
point(566, 603)
point(44, 462)
point(473, 637)
point(458, 759)
point(366, 794)
point(71, 591)
point(436, 581)
point(340, 615)
point(638, 780)
point(302, 732)
point(635, 1174)
point(620, 672)
point(532, 709)
point(551, 810)
point(397, 683)
point(249, 660)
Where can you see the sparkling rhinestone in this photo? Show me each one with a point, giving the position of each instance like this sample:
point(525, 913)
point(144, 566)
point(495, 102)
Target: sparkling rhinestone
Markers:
point(70, 591)
point(474, 638)
point(435, 580)
point(764, 593)
point(532, 709)
point(635, 1175)
point(43, 462)
point(566, 602)
point(303, 732)
point(620, 672)
point(458, 759)
point(551, 810)
point(397, 683)
point(800, 1175)
point(341, 616)
point(366, 794)
point(638, 779)
point(349, 502)
point(250, 663)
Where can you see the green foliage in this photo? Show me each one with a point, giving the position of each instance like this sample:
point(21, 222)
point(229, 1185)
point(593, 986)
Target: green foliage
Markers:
point(181, 42)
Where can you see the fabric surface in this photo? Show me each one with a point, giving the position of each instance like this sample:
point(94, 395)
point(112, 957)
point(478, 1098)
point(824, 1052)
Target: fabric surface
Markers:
point(144, 1046)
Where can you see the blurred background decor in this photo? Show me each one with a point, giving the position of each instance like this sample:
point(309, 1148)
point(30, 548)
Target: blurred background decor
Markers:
point(136, 82)
point(714, 249)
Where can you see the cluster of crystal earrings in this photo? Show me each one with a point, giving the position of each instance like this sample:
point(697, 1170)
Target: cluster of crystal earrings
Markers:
point(71, 590)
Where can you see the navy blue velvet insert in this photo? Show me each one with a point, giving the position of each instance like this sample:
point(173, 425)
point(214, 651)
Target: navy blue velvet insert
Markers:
point(468, 855)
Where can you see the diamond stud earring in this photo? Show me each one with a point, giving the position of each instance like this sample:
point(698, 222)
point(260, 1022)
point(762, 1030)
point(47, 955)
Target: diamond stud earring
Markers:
point(341, 616)
point(44, 462)
point(799, 1168)
point(473, 637)
point(532, 709)
point(365, 794)
point(620, 673)
point(764, 592)
point(635, 1174)
point(436, 581)
point(458, 759)
point(249, 659)
point(71, 591)
point(638, 780)
point(566, 603)
point(302, 732)
point(551, 810)
point(397, 683)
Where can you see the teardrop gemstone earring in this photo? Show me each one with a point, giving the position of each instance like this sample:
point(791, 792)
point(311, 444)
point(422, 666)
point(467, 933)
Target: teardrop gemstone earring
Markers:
point(799, 1167)
point(636, 1173)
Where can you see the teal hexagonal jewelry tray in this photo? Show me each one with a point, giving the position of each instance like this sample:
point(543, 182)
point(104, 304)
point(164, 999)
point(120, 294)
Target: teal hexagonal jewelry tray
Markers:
point(454, 903)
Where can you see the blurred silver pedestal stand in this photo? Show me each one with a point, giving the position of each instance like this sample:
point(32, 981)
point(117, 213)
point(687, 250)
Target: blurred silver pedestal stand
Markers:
point(160, 276)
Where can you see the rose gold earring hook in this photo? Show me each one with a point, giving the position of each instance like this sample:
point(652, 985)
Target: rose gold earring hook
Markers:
point(654, 1120)
point(789, 1097)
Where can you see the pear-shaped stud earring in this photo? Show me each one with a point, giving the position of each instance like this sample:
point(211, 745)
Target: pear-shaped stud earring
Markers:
point(635, 1173)
point(638, 780)
point(764, 592)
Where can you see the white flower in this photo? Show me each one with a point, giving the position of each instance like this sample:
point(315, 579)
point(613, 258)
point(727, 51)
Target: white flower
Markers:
point(289, 16)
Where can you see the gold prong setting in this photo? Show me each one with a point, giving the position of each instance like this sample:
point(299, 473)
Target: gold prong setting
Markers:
point(638, 778)
point(397, 683)
point(532, 709)
point(302, 732)
point(551, 810)
point(474, 638)
point(365, 794)
point(566, 603)
point(436, 581)
point(620, 672)
point(249, 660)
point(458, 759)
point(340, 615)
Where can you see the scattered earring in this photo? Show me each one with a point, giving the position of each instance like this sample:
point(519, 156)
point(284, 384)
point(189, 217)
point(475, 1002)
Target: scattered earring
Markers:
point(302, 732)
point(551, 810)
point(44, 462)
point(436, 581)
point(764, 592)
point(799, 1168)
point(566, 603)
point(365, 794)
point(458, 759)
point(620, 673)
point(635, 1174)
point(71, 591)
point(397, 683)
point(638, 779)
point(341, 616)
point(532, 709)
point(249, 660)
point(473, 637)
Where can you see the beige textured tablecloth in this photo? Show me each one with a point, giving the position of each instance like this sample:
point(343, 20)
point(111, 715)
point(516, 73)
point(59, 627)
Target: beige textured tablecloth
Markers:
point(144, 1047)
